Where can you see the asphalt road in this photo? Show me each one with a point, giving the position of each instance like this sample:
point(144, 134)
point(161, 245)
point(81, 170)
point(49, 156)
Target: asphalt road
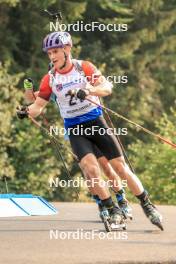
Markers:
point(77, 236)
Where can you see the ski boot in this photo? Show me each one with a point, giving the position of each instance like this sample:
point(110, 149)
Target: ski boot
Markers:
point(125, 208)
point(123, 204)
point(100, 206)
point(103, 212)
point(117, 219)
point(113, 219)
point(105, 217)
point(152, 213)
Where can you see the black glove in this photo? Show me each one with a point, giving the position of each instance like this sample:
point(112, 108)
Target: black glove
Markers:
point(22, 111)
point(80, 94)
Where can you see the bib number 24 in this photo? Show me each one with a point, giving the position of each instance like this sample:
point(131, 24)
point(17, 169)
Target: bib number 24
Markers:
point(73, 99)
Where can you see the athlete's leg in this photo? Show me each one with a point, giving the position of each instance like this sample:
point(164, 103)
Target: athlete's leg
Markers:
point(108, 144)
point(122, 169)
point(115, 184)
point(92, 173)
point(115, 181)
point(82, 147)
point(137, 188)
point(111, 149)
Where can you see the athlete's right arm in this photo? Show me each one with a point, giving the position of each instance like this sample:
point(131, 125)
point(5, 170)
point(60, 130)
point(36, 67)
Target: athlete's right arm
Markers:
point(42, 98)
point(30, 96)
point(37, 107)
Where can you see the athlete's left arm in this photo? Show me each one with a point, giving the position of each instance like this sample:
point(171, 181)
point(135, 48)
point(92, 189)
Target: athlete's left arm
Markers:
point(101, 87)
point(97, 84)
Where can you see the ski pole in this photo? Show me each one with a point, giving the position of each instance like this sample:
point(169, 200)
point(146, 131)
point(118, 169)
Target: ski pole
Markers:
point(120, 142)
point(165, 140)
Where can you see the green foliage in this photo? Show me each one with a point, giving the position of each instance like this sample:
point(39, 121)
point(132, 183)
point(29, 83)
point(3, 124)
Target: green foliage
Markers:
point(10, 2)
point(27, 158)
point(7, 110)
point(155, 163)
point(145, 53)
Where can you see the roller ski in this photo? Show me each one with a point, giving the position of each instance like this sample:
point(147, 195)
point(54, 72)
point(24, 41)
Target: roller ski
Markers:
point(152, 213)
point(126, 209)
point(113, 219)
point(123, 204)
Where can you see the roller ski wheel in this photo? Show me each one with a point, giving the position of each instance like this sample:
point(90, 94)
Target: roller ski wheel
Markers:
point(105, 217)
point(159, 224)
point(127, 215)
point(117, 219)
point(107, 226)
point(152, 213)
point(157, 220)
point(126, 209)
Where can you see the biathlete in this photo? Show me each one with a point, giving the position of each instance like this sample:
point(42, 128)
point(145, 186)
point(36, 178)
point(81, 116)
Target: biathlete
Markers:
point(71, 90)
point(115, 182)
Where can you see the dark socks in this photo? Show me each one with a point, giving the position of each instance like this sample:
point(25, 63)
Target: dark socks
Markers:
point(97, 199)
point(108, 203)
point(143, 197)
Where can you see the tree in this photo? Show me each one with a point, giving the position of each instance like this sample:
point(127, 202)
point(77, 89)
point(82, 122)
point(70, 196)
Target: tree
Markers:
point(155, 162)
point(145, 53)
point(7, 109)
